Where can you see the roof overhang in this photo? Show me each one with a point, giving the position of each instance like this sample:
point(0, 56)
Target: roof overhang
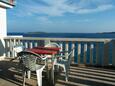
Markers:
point(5, 5)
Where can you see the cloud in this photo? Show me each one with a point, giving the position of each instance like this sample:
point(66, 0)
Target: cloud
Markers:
point(84, 20)
point(44, 20)
point(61, 7)
point(53, 8)
point(97, 9)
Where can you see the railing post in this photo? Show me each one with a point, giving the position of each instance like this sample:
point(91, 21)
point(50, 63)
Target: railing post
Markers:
point(85, 53)
point(91, 54)
point(61, 46)
point(97, 54)
point(66, 48)
point(5, 48)
point(31, 46)
point(105, 58)
point(79, 53)
point(13, 44)
point(113, 52)
point(35, 44)
point(73, 53)
point(26, 44)
point(18, 41)
point(8, 48)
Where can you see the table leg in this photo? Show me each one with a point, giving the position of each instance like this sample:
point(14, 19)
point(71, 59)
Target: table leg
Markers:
point(47, 71)
point(52, 74)
point(52, 71)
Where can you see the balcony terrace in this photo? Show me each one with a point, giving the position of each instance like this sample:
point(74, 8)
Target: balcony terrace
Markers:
point(78, 76)
point(92, 64)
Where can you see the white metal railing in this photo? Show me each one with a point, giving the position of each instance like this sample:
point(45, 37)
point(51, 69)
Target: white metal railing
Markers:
point(91, 51)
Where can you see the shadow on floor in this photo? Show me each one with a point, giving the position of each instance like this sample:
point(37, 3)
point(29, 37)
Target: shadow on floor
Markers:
point(11, 75)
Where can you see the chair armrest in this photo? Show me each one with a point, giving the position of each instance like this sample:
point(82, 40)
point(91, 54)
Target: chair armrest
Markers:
point(14, 58)
point(43, 57)
point(60, 56)
point(63, 51)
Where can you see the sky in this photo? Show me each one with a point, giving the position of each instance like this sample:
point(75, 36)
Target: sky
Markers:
point(63, 16)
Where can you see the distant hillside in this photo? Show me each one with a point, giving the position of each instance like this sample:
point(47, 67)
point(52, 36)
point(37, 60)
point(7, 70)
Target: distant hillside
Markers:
point(35, 32)
point(108, 33)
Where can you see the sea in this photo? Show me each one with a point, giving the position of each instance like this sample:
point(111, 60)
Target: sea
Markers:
point(66, 35)
point(75, 35)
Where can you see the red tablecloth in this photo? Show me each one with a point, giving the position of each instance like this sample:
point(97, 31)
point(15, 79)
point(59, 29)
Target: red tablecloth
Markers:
point(48, 48)
point(45, 50)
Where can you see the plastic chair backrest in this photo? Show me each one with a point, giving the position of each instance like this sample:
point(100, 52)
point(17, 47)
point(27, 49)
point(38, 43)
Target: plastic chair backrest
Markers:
point(53, 44)
point(18, 48)
point(28, 60)
point(70, 56)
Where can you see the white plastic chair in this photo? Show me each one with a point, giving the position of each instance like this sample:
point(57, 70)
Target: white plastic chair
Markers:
point(64, 63)
point(17, 49)
point(29, 64)
point(51, 44)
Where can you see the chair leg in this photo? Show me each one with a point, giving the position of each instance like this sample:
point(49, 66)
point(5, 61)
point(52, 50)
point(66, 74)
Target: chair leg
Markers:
point(47, 72)
point(24, 76)
point(57, 68)
point(66, 76)
point(66, 73)
point(52, 74)
point(28, 74)
point(39, 77)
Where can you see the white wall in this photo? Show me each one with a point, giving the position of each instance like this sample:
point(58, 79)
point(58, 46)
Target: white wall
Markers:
point(3, 23)
point(3, 31)
point(3, 27)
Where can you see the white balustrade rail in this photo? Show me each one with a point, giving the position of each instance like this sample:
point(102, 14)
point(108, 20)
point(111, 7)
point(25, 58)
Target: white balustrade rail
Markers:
point(90, 51)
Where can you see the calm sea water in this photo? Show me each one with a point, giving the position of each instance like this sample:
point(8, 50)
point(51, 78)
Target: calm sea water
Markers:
point(76, 35)
point(67, 35)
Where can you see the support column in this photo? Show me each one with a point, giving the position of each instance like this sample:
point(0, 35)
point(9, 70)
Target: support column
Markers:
point(3, 25)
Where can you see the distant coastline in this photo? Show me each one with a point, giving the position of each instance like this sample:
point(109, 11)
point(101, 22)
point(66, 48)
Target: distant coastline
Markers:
point(108, 33)
point(35, 32)
point(65, 35)
point(58, 32)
